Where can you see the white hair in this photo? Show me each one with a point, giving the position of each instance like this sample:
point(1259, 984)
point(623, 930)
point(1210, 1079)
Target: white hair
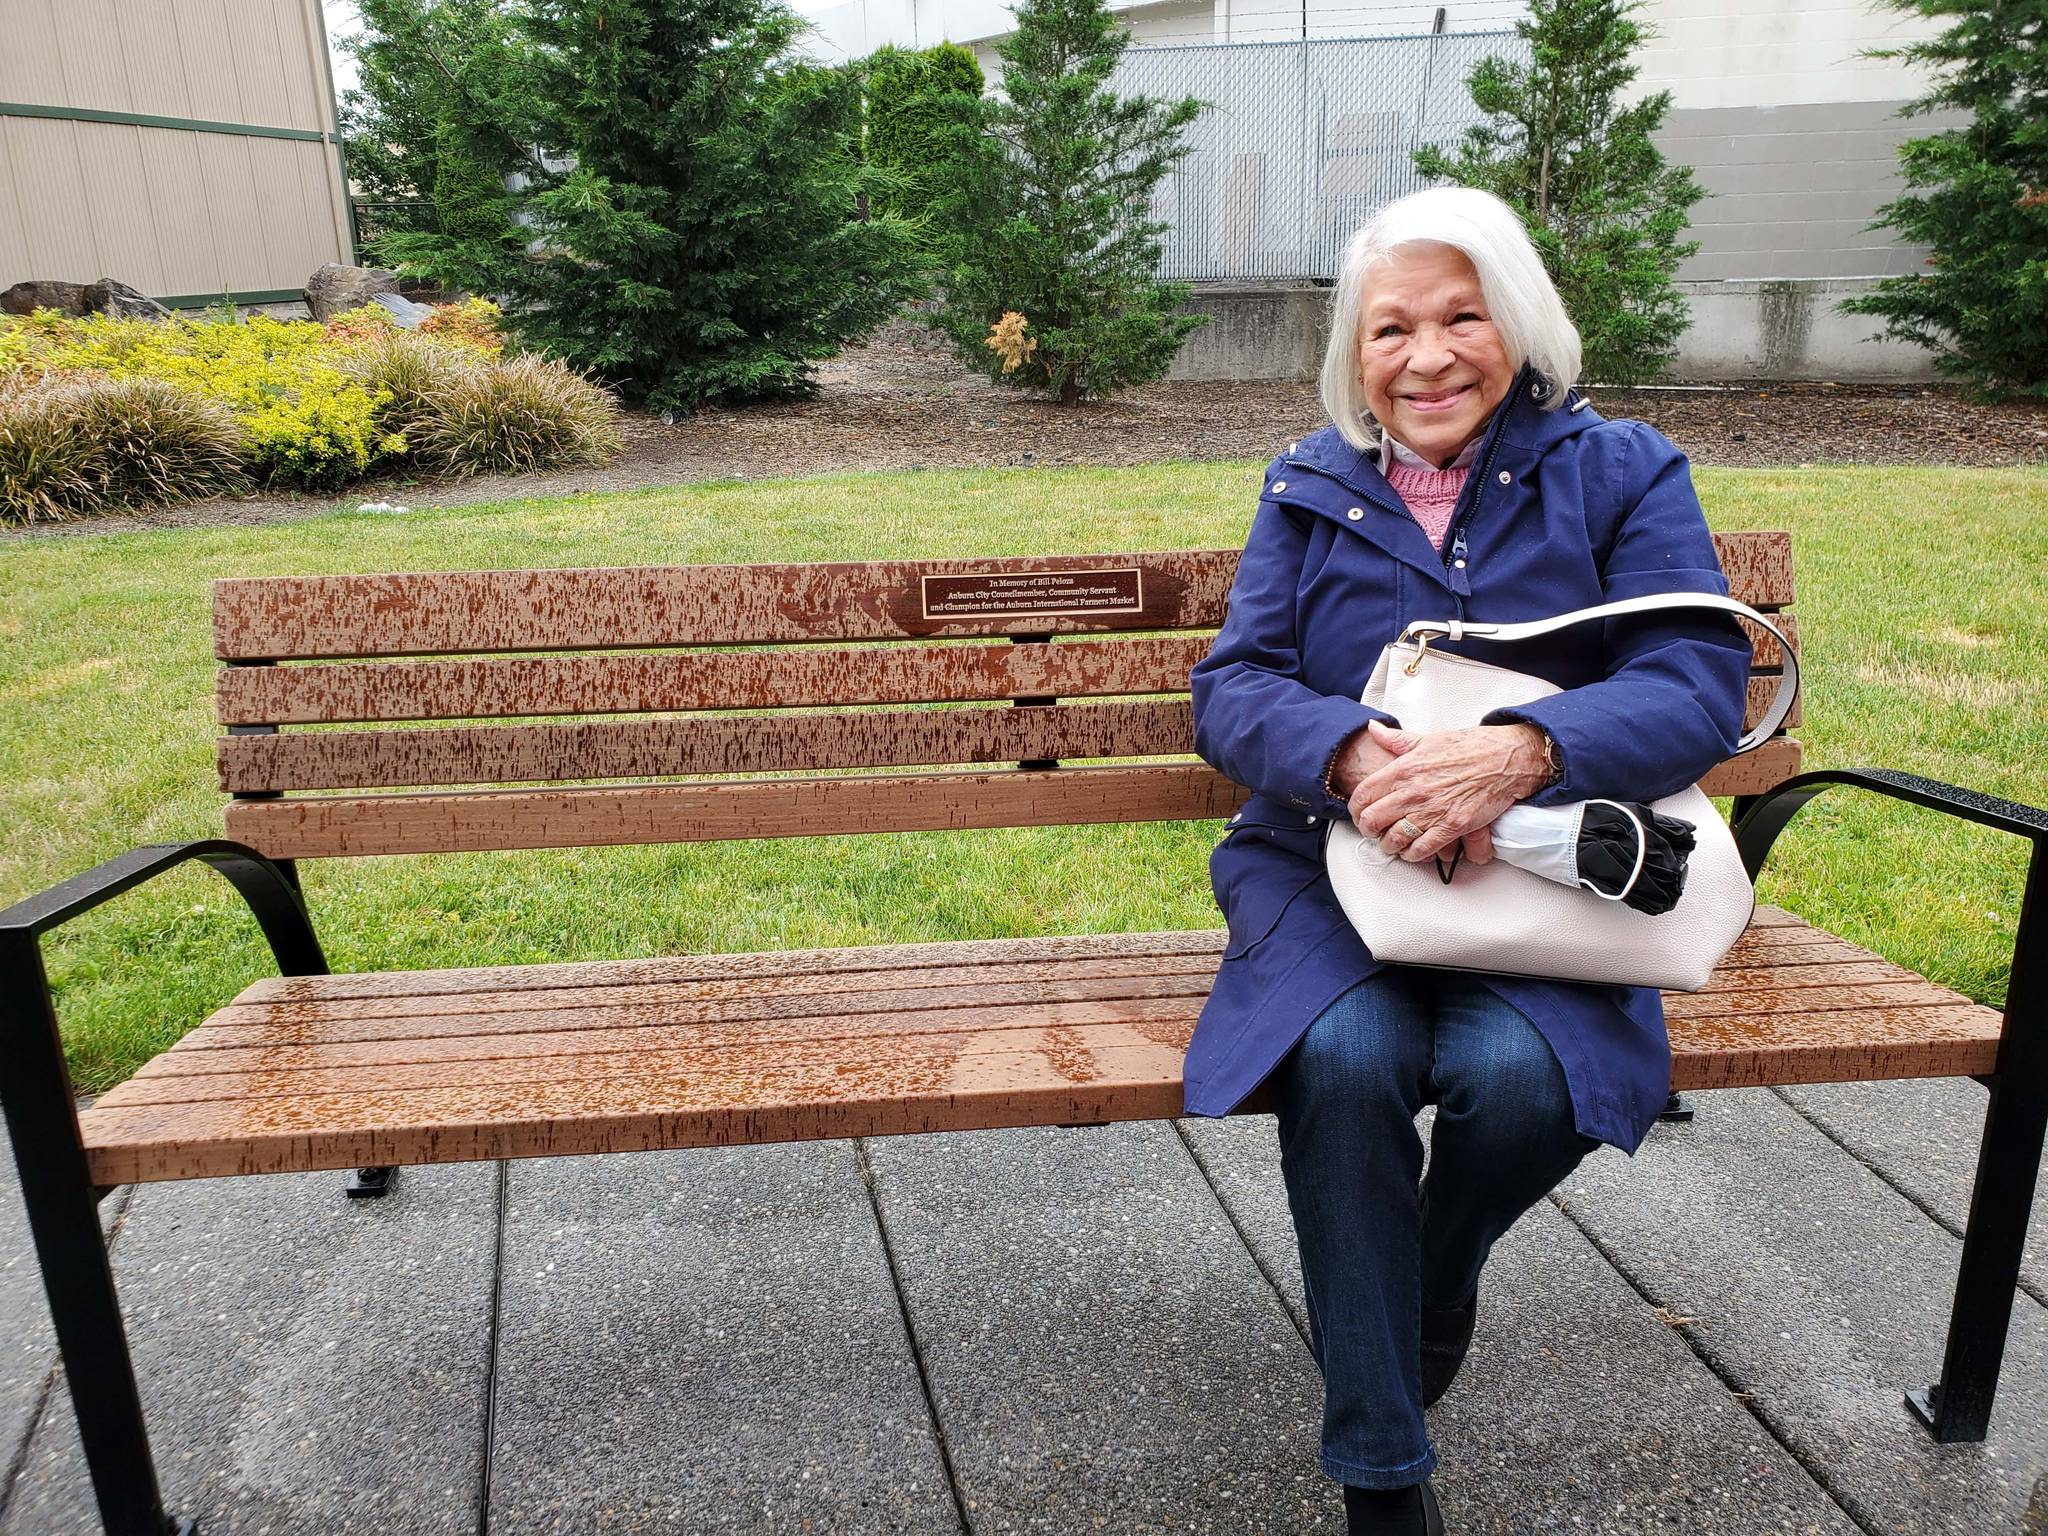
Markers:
point(1520, 296)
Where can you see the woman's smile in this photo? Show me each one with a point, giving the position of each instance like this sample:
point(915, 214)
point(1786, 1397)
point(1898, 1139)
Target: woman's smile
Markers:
point(1438, 399)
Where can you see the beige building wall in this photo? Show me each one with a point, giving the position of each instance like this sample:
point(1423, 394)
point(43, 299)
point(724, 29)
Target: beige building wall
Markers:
point(180, 146)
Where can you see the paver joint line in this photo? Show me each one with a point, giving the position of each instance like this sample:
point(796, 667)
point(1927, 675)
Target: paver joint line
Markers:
point(483, 1497)
point(1740, 1392)
point(924, 1380)
point(2026, 1284)
point(1244, 1237)
point(17, 1461)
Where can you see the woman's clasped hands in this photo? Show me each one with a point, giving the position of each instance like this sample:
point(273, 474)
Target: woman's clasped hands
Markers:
point(1448, 786)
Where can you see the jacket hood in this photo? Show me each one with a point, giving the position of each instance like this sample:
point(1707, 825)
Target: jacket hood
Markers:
point(1526, 426)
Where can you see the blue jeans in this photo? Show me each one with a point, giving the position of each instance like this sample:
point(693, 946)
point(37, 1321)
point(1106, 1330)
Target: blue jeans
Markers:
point(1375, 1249)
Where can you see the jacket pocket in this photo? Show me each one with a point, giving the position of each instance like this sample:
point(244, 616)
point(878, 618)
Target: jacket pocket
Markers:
point(1257, 875)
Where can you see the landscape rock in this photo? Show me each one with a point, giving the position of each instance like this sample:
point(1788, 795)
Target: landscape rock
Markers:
point(45, 293)
point(334, 288)
point(403, 310)
point(108, 297)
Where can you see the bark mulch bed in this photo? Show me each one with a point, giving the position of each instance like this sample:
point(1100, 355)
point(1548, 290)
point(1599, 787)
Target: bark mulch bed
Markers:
point(903, 402)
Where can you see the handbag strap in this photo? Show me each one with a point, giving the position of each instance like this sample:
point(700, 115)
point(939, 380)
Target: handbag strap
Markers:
point(1529, 629)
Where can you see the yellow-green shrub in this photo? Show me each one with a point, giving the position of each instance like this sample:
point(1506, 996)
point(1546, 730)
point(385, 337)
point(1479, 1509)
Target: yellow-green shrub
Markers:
point(321, 436)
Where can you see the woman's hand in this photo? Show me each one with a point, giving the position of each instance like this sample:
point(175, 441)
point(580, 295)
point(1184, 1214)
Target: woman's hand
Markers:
point(1452, 784)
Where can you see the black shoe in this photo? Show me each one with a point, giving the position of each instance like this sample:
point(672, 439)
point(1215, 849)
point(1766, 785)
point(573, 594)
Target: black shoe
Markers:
point(1410, 1511)
point(1446, 1336)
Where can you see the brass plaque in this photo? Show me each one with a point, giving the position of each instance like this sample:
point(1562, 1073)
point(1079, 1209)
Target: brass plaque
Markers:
point(980, 594)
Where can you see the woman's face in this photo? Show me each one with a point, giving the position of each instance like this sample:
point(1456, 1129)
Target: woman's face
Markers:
point(1433, 365)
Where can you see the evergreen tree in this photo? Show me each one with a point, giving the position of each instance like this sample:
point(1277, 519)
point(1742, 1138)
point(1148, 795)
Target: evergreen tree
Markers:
point(690, 233)
point(1983, 308)
point(421, 65)
point(1603, 208)
point(469, 194)
point(910, 113)
point(1044, 212)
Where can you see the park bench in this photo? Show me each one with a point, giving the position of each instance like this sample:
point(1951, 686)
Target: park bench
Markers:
point(1064, 681)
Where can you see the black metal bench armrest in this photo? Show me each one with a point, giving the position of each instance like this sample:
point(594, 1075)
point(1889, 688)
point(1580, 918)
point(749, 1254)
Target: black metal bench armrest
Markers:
point(272, 898)
point(1769, 812)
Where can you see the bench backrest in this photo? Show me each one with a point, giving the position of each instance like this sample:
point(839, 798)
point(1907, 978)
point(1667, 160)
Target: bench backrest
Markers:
point(748, 691)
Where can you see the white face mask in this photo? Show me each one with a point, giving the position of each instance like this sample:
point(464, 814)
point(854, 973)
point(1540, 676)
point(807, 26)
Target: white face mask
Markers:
point(1545, 841)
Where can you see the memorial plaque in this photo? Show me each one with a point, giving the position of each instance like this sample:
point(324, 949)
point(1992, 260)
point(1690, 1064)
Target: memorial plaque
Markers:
point(982, 594)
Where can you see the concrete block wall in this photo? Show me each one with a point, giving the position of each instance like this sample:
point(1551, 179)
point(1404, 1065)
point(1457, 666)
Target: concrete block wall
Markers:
point(1791, 190)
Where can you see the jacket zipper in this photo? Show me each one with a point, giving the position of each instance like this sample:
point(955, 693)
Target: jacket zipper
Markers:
point(1454, 574)
point(1455, 554)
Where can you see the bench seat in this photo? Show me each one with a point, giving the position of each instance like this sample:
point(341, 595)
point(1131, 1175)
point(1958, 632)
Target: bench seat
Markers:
point(325, 1072)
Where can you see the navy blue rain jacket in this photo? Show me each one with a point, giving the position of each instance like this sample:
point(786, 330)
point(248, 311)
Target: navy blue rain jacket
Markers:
point(1562, 509)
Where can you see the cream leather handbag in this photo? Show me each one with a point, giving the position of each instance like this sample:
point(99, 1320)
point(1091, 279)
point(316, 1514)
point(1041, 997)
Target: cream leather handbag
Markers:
point(1496, 917)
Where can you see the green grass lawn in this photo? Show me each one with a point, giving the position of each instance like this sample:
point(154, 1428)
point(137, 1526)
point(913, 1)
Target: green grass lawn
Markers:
point(1922, 598)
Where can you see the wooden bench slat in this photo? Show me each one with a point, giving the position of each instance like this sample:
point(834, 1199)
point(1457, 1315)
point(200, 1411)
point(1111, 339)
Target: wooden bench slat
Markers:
point(1018, 1088)
point(1953, 1040)
point(621, 1032)
point(707, 1012)
point(936, 981)
point(824, 964)
point(282, 618)
point(1738, 1003)
point(321, 827)
point(483, 688)
point(471, 821)
point(635, 749)
point(1064, 1030)
point(1736, 979)
point(497, 686)
point(284, 1024)
point(1764, 653)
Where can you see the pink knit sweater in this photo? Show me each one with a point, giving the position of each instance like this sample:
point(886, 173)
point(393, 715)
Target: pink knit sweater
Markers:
point(1429, 494)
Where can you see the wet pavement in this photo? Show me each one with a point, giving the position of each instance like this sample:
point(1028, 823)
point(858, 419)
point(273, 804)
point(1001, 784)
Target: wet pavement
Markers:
point(1059, 1330)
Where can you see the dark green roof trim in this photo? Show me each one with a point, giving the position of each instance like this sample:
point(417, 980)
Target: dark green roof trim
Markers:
point(146, 120)
point(254, 296)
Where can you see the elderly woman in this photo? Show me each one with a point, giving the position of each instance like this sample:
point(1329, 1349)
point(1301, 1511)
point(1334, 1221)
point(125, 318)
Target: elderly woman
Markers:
point(1461, 476)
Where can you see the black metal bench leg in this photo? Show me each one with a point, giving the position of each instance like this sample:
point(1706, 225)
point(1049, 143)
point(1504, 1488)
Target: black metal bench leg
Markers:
point(369, 1183)
point(1676, 1111)
point(1958, 1407)
point(63, 1217)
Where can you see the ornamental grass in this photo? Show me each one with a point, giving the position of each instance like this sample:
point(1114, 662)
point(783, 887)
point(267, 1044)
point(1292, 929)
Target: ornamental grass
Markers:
point(520, 415)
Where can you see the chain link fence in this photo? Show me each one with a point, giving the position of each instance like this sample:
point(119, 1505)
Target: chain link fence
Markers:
point(1301, 142)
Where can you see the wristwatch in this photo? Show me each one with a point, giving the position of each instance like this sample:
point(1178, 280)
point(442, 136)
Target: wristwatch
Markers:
point(1553, 755)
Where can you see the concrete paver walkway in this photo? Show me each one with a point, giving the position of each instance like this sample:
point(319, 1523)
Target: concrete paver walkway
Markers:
point(1039, 1331)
